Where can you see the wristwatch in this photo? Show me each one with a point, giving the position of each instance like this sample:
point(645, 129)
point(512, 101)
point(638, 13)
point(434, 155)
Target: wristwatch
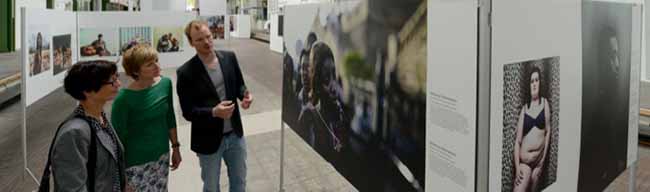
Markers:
point(176, 145)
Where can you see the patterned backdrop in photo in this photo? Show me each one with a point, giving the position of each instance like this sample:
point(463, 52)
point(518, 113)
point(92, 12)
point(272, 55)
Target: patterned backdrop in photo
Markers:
point(129, 34)
point(514, 95)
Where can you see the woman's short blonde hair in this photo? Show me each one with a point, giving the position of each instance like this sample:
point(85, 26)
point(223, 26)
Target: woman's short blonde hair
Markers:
point(137, 56)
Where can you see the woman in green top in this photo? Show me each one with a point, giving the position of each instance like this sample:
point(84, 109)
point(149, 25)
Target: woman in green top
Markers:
point(143, 116)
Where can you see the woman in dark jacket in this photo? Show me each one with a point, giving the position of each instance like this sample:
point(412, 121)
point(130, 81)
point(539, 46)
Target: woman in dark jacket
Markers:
point(92, 83)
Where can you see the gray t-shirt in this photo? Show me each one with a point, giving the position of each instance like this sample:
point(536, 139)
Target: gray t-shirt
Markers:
point(216, 75)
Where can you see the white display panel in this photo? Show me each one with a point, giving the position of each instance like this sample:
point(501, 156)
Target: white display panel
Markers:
point(213, 7)
point(39, 84)
point(242, 26)
point(451, 95)
point(524, 34)
point(276, 39)
point(112, 22)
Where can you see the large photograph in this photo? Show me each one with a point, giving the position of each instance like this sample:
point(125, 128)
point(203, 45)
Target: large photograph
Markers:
point(132, 36)
point(62, 53)
point(217, 25)
point(358, 98)
point(98, 42)
point(39, 49)
point(606, 56)
point(531, 106)
point(168, 39)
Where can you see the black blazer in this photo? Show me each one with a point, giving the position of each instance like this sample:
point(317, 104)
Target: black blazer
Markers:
point(197, 96)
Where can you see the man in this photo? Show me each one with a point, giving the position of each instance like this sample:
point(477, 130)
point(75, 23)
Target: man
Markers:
point(208, 87)
point(100, 46)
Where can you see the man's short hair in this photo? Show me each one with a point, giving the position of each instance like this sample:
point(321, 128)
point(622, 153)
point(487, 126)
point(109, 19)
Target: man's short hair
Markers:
point(196, 25)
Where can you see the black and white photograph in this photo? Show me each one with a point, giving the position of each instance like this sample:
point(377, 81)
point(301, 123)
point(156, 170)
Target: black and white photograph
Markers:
point(39, 49)
point(531, 105)
point(606, 57)
point(356, 100)
point(62, 53)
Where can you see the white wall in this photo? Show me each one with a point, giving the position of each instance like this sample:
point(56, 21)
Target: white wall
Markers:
point(276, 41)
point(213, 7)
point(242, 26)
point(36, 4)
point(451, 95)
point(178, 5)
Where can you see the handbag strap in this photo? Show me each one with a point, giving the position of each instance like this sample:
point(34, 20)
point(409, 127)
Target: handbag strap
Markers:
point(90, 164)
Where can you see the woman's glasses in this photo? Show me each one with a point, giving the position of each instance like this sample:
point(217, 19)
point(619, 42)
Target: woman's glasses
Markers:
point(114, 80)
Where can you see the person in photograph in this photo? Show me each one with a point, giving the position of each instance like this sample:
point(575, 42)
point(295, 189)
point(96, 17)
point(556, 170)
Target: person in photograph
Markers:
point(92, 84)
point(58, 59)
point(307, 116)
point(135, 40)
point(99, 46)
point(37, 64)
point(326, 93)
point(532, 135)
point(143, 116)
point(209, 87)
point(174, 45)
point(605, 132)
point(67, 57)
point(163, 44)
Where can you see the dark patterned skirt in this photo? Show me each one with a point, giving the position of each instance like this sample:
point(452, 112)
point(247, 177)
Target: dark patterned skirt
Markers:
point(151, 176)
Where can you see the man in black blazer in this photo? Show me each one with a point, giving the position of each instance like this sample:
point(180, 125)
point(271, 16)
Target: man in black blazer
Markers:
point(209, 86)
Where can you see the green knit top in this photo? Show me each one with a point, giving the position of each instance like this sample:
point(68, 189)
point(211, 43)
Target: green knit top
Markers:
point(142, 120)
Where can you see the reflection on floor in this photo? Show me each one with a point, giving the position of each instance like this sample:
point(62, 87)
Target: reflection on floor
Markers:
point(642, 174)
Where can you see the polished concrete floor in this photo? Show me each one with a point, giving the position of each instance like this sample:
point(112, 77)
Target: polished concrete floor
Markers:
point(305, 170)
point(9, 64)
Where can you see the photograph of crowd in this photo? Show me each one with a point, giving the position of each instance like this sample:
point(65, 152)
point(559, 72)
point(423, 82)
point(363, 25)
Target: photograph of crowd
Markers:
point(358, 98)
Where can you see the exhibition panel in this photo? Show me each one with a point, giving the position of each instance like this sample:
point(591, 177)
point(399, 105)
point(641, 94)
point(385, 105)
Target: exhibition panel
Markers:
point(534, 111)
point(452, 71)
point(105, 35)
point(48, 55)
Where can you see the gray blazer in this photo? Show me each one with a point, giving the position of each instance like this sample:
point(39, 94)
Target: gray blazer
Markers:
point(70, 153)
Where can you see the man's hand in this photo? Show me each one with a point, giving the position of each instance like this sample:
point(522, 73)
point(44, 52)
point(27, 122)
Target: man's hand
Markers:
point(248, 100)
point(223, 110)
